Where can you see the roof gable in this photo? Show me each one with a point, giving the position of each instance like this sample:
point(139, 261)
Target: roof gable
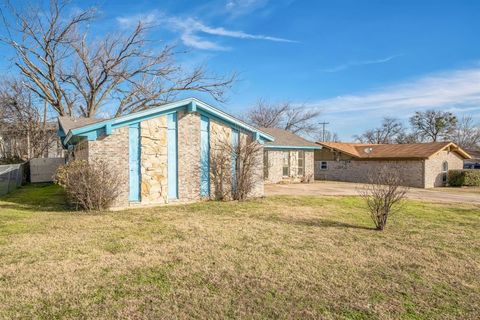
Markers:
point(394, 151)
point(287, 140)
point(96, 128)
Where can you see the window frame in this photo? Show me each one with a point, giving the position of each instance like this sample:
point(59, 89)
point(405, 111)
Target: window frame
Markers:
point(301, 158)
point(322, 167)
point(265, 164)
point(286, 154)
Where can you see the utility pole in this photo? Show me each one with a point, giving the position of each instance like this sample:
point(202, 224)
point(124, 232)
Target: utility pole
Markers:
point(323, 130)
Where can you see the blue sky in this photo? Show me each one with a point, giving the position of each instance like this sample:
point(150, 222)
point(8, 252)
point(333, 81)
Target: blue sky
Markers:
point(355, 60)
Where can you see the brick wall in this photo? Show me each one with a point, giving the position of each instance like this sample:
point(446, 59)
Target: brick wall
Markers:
point(188, 156)
point(275, 166)
point(80, 151)
point(433, 167)
point(114, 150)
point(359, 170)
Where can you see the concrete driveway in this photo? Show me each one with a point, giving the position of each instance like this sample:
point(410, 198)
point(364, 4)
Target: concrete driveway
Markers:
point(334, 188)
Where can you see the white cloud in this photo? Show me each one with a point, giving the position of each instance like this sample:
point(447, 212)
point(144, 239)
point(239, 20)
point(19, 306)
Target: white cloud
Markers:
point(459, 89)
point(133, 20)
point(359, 63)
point(242, 7)
point(192, 31)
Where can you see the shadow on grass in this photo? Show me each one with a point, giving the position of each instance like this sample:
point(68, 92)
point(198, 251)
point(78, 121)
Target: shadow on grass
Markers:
point(36, 197)
point(325, 223)
point(317, 222)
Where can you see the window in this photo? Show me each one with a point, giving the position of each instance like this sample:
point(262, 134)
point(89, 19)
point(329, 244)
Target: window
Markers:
point(265, 164)
point(301, 163)
point(286, 163)
point(444, 171)
point(323, 165)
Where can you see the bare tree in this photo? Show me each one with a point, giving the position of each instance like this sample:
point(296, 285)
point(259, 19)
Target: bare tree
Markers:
point(235, 168)
point(387, 133)
point(434, 125)
point(329, 136)
point(467, 134)
point(383, 194)
point(79, 76)
point(408, 137)
point(24, 127)
point(297, 119)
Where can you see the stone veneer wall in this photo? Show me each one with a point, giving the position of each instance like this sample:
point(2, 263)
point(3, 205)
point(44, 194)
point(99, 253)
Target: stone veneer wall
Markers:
point(275, 167)
point(188, 156)
point(359, 170)
point(434, 167)
point(153, 164)
point(114, 149)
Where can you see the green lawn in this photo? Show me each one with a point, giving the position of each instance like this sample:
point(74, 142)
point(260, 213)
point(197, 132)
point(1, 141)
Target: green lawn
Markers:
point(282, 257)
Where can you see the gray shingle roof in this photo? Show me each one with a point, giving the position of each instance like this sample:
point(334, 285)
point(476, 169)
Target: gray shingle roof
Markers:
point(68, 123)
point(284, 138)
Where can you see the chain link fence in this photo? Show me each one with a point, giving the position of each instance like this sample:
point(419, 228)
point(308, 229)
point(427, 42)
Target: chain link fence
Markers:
point(11, 177)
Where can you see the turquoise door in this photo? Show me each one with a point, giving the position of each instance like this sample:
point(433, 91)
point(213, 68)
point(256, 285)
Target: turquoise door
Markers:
point(204, 157)
point(172, 158)
point(134, 156)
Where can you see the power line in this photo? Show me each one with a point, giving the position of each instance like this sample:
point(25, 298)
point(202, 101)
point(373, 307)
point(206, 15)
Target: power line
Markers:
point(323, 130)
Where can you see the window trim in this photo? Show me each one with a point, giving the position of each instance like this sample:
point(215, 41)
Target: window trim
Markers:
point(287, 154)
point(302, 167)
point(322, 167)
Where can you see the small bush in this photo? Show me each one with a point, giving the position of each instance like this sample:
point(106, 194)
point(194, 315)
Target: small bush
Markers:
point(89, 186)
point(459, 178)
point(383, 194)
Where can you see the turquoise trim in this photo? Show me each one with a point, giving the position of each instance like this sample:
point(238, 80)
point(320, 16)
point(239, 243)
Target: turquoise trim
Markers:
point(192, 107)
point(292, 147)
point(134, 162)
point(191, 104)
point(108, 129)
point(172, 156)
point(204, 156)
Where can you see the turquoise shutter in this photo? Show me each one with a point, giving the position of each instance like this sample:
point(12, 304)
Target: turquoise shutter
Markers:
point(172, 156)
point(235, 140)
point(204, 157)
point(134, 159)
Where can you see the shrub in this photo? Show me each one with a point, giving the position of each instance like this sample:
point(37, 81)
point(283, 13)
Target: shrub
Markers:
point(383, 194)
point(89, 186)
point(458, 178)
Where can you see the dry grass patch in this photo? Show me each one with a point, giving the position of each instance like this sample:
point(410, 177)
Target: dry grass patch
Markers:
point(287, 257)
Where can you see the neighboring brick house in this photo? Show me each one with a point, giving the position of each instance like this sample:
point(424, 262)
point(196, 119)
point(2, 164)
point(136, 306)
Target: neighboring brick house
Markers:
point(422, 165)
point(161, 154)
point(289, 158)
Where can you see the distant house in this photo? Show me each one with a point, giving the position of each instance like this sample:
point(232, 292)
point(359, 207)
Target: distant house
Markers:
point(163, 154)
point(422, 165)
point(288, 158)
point(474, 162)
point(15, 143)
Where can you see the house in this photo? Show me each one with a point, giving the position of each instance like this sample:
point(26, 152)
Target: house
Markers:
point(422, 165)
point(162, 154)
point(288, 158)
point(474, 162)
point(17, 143)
